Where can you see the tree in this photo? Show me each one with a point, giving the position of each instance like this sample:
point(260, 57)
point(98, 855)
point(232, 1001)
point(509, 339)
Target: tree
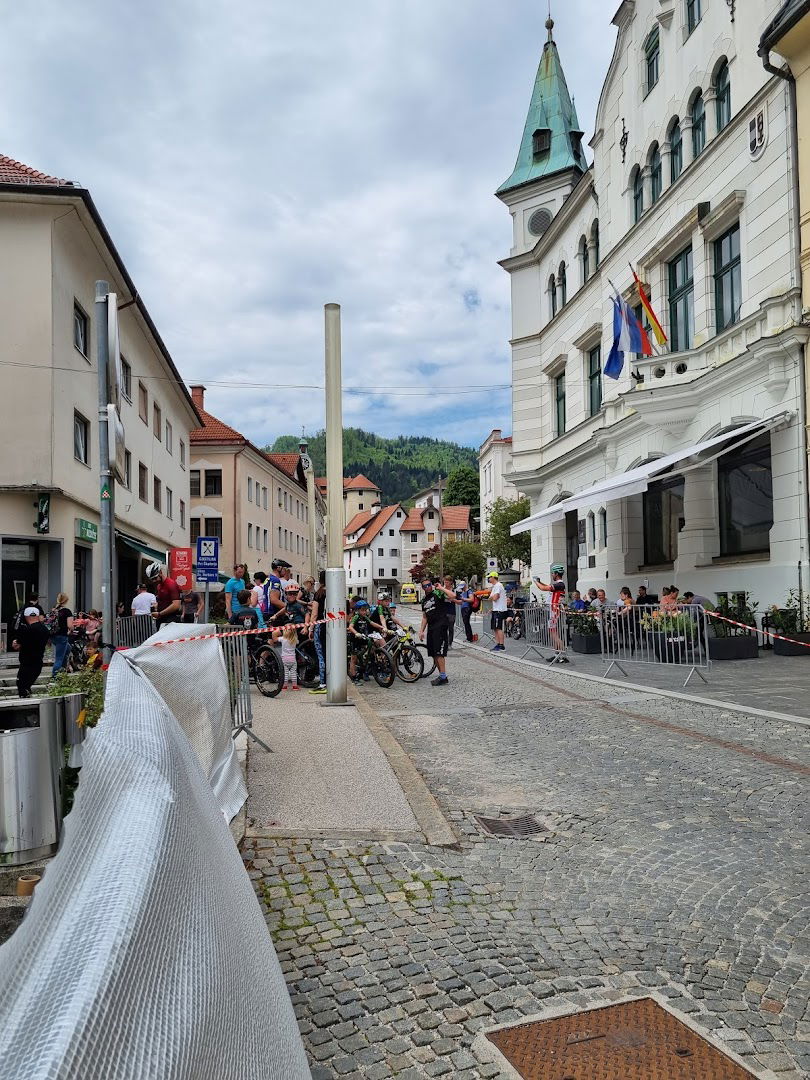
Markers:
point(420, 570)
point(498, 540)
point(462, 487)
point(462, 559)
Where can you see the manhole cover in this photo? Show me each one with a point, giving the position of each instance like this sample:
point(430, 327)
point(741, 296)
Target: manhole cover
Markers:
point(525, 825)
point(636, 1040)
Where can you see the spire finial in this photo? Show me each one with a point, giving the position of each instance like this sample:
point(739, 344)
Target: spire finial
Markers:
point(549, 22)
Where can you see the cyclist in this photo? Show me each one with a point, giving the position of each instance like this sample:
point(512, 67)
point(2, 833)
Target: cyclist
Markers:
point(386, 614)
point(274, 590)
point(167, 595)
point(248, 616)
point(361, 627)
point(557, 590)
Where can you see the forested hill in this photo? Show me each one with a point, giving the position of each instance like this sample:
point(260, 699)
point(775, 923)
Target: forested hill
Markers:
point(400, 466)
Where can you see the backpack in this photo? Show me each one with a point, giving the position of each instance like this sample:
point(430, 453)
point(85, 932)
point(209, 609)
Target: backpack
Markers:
point(264, 604)
point(475, 603)
point(52, 621)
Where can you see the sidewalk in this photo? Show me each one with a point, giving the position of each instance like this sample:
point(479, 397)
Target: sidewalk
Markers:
point(326, 775)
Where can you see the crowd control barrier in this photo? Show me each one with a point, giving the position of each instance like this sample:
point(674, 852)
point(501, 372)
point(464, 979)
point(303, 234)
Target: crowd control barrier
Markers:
point(545, 629)
point(144, 952)
point(650, 635)
point(133, 630)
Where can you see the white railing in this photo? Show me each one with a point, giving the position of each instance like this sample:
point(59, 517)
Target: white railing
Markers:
point(651, 635)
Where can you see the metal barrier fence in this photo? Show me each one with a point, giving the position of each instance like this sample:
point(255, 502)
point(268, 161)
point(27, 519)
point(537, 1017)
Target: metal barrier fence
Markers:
point(648, 635)
point(545, 628)
point(133, 630)
point(144, 951)
point(237, 663)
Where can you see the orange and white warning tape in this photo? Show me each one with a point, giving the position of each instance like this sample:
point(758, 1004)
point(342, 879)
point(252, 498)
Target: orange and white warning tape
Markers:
point(331, 616)
point(765, 633)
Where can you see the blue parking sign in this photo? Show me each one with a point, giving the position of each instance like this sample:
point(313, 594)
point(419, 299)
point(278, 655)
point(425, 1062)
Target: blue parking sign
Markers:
point(207, 558)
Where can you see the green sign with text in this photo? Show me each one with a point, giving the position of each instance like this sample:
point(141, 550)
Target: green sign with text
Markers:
point(86, 530)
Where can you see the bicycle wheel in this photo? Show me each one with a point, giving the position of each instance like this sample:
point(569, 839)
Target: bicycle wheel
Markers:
point(308, 670)
point(409, 664)
point(429, 662)
point(516, 629)
point(269, 673)
point(382, 668)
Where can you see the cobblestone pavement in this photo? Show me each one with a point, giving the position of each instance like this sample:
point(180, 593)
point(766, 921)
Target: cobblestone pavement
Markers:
point(673, 857)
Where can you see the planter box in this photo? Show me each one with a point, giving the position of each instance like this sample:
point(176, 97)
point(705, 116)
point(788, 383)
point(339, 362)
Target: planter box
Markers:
point(670, 648)
point(787, 648)
point(738, 647)
point(586, 643)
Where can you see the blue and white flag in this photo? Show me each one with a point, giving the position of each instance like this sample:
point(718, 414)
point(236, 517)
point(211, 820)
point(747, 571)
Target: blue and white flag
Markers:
point(628, 336)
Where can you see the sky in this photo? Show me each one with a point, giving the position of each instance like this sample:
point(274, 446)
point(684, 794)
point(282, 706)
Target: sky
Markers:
point(255, 161)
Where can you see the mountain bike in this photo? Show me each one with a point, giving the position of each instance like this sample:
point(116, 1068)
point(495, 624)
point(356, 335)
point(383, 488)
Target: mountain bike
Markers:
point(374, 661)
point(264, 666)
point(408, 661)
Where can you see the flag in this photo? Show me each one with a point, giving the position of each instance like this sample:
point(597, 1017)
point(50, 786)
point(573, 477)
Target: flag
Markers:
point(660, 336)
point(628, 336)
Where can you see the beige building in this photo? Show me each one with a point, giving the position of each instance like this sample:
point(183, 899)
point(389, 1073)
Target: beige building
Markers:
point(255, 503)
point(55, 246)
point(494, 465)
point(359, 495)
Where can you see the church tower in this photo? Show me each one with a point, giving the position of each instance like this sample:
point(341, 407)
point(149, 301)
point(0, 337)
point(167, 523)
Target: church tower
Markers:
point(550, 160)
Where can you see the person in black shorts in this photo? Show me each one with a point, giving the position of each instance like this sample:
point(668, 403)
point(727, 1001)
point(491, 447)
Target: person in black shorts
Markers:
point(435, 607)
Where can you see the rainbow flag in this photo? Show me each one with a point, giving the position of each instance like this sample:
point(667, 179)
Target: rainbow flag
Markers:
point(655, 325)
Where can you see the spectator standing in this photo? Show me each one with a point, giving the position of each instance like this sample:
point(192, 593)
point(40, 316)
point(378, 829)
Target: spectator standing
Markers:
point(434, 622)
point(167, 595)
point(233, 586)
point(142, 602)
point(31, 642)
point(497, 595)
point(191, 606)
point(450, 585)
point(289, 658)
point(465, 595)
point(703, 601)
point(318, 609)
point(59, 635)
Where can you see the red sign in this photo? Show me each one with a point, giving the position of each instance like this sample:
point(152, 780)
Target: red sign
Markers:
point(180, 560)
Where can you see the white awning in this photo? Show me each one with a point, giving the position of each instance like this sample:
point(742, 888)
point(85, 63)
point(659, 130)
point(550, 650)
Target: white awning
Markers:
point(635, 481)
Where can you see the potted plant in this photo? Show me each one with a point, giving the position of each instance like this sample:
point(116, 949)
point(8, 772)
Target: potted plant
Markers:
point(792, 621)
point(729, 642)
point(584, 633)
point(670, 634)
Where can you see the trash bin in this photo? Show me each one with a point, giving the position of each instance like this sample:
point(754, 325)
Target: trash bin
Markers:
point(31, 774)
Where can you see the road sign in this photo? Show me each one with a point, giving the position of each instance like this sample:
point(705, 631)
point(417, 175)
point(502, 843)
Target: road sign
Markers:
point(180, 567)
point(207, 558)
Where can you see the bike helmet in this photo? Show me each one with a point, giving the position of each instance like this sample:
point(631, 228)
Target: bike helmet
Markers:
point(360, 604)
point(558, 568)
point(153, 569)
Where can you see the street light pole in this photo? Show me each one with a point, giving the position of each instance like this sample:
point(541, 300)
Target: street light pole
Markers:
point(105, 475)
point(335, 574)
point(441, 534)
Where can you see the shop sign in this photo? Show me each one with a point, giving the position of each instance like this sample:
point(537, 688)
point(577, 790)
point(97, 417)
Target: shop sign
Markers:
point(86, 530)
point(180, 566)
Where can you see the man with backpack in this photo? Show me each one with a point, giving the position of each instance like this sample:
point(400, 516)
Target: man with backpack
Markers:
point(31, 642)
point(467, 597)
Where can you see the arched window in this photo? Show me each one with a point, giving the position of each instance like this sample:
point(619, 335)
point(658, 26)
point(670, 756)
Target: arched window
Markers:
point(698, 125)
point(652, 58)
point(722, 85)
point(552, 295)
point(656, 180)
point(603, 527)
point(563, 283)
point(590, 530)
point(676, 147)
point(638, 194)
point(595, 240)
point(584, 258)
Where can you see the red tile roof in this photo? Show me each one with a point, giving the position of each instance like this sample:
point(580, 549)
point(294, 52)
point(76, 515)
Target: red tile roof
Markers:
point(378, 521)
point(288, 463)
point(358, 482)
point(413, 521)
point(456, 517)
point(14, 172)
point(214, 431)
point(359, 521)
point(320, 484)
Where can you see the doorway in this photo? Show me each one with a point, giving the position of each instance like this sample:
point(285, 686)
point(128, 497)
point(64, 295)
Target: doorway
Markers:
point(571, 549)
point(20, 576)
point(81, 577)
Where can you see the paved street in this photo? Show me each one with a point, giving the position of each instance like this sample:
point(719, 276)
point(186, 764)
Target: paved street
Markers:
point(673, 858)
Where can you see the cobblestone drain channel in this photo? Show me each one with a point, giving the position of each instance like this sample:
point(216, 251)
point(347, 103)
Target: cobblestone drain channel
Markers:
point(666, 863)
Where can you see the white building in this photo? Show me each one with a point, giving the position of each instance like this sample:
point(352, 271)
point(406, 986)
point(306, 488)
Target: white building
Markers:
point(372, 554)
point(55, 247)
point(691, 183)
point(494, 464)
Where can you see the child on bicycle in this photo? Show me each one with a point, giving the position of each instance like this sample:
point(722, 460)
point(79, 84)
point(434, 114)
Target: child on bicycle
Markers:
point(289, 657)
point(362, 626)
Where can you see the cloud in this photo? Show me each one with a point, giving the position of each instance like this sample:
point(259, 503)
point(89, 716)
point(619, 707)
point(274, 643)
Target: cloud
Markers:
point(255, 162)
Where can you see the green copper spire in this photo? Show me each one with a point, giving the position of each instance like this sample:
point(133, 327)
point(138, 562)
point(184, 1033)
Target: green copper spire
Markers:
point(552, 139)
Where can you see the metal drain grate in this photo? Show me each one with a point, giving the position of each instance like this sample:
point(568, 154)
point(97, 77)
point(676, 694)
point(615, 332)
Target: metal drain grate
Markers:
point(515, 827)
point(635, 1040)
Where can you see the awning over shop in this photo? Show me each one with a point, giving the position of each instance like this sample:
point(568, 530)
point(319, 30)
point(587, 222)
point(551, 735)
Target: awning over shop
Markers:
point(635, 481)
point(140, 547)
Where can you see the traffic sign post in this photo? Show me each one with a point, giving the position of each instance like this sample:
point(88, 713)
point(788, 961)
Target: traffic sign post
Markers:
point(207, 564)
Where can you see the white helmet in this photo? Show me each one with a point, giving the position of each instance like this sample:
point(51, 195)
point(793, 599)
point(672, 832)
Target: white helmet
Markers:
point(153, 569)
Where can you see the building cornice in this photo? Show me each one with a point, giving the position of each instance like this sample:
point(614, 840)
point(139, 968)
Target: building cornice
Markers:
point(574, 201)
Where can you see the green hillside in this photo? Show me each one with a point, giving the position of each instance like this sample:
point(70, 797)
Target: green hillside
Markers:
point(399, 466)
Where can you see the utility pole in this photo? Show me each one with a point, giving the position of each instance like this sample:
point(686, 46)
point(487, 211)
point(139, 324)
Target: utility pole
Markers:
point(441, 534)
point(309, 473)
point(107, 487)
point(335, 574)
